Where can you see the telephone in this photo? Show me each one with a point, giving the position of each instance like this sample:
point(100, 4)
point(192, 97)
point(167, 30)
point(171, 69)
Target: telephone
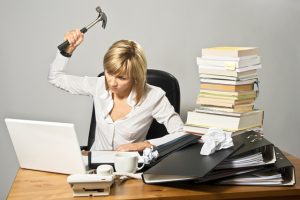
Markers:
point(92, 184)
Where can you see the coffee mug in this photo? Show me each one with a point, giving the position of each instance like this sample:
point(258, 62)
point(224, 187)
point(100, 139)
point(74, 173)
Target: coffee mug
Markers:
point(127, 162)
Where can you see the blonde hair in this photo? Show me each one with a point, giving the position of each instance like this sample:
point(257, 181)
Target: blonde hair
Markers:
point(126, 56)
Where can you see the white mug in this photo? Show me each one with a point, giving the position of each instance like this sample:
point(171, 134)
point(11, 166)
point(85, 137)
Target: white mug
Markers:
point(127, 162)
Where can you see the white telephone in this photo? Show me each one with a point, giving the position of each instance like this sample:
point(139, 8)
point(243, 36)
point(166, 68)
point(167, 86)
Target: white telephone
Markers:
point(92, 184)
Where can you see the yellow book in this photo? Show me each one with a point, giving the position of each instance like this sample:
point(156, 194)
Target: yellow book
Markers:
point(227, 95)
point(230, 51)
point(229, 103)
point(230, 88)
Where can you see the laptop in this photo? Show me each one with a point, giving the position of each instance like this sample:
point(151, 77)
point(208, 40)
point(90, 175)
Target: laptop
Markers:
point(46, 146)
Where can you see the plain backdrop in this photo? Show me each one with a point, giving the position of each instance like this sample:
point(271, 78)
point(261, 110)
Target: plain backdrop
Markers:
point(172, 33)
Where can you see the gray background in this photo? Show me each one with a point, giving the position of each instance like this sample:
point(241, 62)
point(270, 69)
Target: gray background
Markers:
point(172, 33)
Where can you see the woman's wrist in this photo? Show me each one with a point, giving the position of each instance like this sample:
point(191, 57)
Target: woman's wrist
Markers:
point(147, 144)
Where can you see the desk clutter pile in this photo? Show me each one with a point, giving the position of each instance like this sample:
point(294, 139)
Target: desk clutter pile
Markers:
point(226, 107)
point(253, 160)
point(227, 94)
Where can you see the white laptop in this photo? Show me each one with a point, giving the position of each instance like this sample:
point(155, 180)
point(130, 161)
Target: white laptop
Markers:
point(46, 146)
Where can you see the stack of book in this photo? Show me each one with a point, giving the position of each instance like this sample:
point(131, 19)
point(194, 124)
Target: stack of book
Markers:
point(227, 91)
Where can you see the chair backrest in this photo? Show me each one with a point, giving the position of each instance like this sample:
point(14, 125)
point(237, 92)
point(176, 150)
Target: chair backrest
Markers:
point(170, 85)
point(158, 78)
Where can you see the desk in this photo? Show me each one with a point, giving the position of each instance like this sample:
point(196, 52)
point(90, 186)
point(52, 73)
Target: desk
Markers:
point(31, 184)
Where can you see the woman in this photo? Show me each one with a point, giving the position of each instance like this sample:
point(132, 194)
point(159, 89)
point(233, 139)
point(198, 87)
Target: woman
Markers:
point(125, 104)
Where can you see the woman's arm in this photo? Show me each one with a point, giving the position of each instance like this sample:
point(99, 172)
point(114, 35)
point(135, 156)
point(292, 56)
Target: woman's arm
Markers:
point(57, 73)
point(164, 113)
point(137, 146)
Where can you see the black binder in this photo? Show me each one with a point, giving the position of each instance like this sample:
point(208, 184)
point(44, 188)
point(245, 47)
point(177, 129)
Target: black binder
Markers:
point(175, 145)
point(267, 176)
point(186, 164)
point(254, 144)
point(254, 141)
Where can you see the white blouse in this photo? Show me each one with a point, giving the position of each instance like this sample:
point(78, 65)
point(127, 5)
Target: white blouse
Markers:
point(131, 128)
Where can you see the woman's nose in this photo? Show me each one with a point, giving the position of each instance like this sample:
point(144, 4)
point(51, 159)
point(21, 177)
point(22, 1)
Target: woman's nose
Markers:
point(113, 81)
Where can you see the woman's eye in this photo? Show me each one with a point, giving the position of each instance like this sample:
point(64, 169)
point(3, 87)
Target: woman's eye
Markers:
point(122, 77)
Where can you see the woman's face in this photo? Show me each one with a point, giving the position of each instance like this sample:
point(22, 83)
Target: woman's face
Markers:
point(119, 84)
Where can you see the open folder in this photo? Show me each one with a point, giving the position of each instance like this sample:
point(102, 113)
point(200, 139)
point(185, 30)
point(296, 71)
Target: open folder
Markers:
point(256, 151)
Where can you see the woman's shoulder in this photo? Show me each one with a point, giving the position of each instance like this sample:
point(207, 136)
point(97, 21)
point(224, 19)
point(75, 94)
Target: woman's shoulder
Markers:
point(96, 80)
point(96, 84)
point(101, 78)
point(101, 82)
point(154, 90)
point(152, 95)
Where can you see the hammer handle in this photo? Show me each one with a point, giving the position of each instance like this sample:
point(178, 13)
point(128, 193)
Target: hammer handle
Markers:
point(66, 43)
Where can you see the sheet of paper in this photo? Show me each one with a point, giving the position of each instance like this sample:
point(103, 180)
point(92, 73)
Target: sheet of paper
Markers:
point(259, 178)
point(107, 156)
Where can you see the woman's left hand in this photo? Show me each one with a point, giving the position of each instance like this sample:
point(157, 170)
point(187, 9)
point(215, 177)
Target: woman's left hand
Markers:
point(138, 146)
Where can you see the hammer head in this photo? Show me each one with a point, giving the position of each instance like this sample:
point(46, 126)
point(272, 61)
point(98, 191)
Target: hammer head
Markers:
point(104, 20)
point(101, 17)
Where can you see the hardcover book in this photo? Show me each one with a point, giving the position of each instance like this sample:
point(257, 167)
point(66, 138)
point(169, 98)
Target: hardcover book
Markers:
point(230, 51)
point(225, 120)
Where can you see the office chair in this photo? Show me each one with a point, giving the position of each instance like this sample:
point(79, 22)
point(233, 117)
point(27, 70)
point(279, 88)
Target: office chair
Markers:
point(158, 78)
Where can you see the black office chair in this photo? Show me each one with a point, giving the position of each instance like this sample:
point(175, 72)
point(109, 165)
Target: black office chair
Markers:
point(159, 78)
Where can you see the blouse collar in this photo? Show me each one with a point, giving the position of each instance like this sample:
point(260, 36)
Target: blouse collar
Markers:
point(108, 105)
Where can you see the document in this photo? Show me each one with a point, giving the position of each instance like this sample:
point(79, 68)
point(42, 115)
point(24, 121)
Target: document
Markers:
point(96, 158)
point(258, 178)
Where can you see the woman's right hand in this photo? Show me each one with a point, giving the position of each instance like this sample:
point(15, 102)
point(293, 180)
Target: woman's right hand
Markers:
point(75, 37)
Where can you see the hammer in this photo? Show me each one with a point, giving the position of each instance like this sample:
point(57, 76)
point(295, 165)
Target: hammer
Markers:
point(101, 17)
